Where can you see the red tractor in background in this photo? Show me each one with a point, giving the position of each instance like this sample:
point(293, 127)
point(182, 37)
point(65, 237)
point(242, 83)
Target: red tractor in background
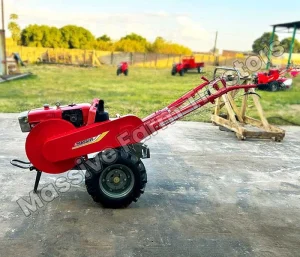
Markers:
point(187, 63)
point(275, 80)
point(122, 68)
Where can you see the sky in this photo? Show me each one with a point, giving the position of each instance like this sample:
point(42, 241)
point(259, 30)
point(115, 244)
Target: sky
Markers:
point(192, 22)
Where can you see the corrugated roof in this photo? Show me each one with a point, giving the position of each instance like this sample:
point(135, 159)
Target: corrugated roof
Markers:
point(289, 25)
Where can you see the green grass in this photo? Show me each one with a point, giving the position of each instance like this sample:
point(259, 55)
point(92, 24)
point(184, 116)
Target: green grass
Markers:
point(144, 91)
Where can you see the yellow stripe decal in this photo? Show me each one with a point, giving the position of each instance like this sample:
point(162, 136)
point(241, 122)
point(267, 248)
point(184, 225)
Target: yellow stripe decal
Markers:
point(90, 141)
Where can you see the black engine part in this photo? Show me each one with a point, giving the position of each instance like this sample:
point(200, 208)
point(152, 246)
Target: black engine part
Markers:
point(73, 116)
point(101, 115)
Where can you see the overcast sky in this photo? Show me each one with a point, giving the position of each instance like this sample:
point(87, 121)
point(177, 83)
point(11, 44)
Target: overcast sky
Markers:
point(191, 22)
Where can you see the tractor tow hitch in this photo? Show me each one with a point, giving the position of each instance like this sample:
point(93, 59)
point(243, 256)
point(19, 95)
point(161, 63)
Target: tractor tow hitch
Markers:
point(27, 165)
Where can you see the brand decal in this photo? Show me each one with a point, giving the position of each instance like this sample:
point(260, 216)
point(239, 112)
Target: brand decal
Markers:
point(89, 141)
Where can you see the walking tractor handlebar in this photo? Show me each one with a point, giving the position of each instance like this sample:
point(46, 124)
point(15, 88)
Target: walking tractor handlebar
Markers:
point(201, 95)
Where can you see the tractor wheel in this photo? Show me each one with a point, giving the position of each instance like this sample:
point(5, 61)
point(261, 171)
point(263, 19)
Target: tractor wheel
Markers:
point(181, 72)
point(281, 86)
point(126, 72)
point(118, 183)
point(118, 72)
point(199, 70)
point(173, 71)
point(273, 86)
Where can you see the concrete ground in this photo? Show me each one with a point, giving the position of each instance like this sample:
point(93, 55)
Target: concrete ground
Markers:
point(208, 195)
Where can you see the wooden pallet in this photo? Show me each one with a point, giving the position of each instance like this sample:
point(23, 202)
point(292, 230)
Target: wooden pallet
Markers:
point(237, 121)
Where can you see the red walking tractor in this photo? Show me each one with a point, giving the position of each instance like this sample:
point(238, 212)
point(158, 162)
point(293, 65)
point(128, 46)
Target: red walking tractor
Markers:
point(122, 68)
point(275, 79)
point(61, 138)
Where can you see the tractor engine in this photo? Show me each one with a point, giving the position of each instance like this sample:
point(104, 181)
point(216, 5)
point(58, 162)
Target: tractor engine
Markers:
point(77, 114)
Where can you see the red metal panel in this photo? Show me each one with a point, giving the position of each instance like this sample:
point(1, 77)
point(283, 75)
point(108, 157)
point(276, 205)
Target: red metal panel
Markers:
point(92, 112)
point(92, 138)
point(35, 142)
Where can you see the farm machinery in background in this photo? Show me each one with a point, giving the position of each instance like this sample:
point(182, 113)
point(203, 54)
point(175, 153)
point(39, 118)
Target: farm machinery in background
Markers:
point(275, 79)
point(295, 72)
point(62, 138)
point(187, 63)
point(122, 68)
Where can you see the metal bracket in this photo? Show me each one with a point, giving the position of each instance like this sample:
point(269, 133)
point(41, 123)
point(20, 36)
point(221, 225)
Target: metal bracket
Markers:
point(28, 165)
point(141, 150)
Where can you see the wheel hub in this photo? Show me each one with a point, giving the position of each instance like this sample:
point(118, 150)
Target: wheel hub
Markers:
point(116, 181)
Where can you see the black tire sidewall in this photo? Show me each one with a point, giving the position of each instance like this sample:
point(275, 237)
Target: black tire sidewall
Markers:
point(273, 86)
point(173, 71)
point(140, 179)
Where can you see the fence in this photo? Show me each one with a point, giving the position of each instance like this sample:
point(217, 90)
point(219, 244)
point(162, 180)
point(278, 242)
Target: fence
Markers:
point(98, 58)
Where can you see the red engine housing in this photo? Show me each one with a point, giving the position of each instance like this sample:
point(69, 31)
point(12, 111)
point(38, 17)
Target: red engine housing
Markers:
point(67, 112)
point(58, 136)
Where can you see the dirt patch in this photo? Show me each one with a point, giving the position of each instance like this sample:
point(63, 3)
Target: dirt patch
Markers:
point(295, 107)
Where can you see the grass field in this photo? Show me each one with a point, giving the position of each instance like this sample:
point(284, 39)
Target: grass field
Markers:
point(145, 90)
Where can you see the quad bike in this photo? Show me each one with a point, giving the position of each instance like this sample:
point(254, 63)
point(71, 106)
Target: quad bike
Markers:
point(61, 138)
point(122, 68)
point(187, 63)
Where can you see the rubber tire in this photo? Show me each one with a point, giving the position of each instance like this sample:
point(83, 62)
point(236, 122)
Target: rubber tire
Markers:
point(281, 86)
point(181, 72)
point(126, 72)
point(140, 177)
point(118, 72)
point(199, 70)
point(273, 86)
point(174, 70)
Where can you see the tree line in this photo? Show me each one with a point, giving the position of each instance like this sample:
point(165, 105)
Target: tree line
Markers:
point(263, 41)
point(75, 37)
